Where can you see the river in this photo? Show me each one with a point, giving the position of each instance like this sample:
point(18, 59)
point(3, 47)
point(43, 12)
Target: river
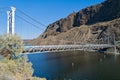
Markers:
point(75, 65)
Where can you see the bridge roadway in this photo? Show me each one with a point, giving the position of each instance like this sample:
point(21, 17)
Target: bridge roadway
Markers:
point(49, 48)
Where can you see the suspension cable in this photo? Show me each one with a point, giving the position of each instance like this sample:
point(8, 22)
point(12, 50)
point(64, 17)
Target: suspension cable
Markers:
point(29, 22)
point(4, 7)
point(31, 18)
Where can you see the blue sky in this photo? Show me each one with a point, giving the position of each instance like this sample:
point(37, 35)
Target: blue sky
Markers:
point(44, 11)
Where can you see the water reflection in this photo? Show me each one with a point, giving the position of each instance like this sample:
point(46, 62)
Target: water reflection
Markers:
point(76, 65)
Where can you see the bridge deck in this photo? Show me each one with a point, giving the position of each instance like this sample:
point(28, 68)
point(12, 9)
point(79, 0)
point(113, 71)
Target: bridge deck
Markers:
point(46, 48)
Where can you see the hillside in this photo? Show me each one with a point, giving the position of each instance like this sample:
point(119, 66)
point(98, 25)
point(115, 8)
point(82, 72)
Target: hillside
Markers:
point(83, 26)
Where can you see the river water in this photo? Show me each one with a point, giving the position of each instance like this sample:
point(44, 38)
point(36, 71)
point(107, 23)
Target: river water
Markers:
point(76, 65)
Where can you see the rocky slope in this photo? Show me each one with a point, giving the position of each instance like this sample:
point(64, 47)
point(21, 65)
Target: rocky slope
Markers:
point(84, 26)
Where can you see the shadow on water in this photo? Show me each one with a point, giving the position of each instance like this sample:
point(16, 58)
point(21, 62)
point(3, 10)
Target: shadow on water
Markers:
point(76, 65)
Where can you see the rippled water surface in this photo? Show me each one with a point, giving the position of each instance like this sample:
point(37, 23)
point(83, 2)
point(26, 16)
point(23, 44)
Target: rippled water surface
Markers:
point(76, 65)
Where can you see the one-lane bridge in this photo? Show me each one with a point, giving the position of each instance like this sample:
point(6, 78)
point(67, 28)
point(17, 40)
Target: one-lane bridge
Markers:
point(48, 48)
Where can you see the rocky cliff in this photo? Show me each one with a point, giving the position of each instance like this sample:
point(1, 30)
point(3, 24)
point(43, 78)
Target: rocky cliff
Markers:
point(84, 26)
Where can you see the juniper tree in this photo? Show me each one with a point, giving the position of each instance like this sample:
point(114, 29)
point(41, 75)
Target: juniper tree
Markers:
point(10, 45)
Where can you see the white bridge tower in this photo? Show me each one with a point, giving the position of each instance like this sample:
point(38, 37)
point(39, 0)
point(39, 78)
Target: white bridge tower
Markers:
point(11, 21)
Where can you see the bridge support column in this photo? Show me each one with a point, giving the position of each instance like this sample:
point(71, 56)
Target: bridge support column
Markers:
point(115, 50)
point(11, 21)
point(8, 21)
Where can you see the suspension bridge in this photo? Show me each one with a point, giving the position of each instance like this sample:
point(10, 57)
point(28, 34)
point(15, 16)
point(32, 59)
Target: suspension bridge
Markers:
point(48, 48)
point(102, 43)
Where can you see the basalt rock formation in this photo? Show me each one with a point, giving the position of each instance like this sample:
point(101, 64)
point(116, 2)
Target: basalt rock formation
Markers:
point(83, 26)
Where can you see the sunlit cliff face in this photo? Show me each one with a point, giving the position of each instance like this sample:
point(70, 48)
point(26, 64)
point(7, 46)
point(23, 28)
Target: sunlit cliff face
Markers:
point(105, 14)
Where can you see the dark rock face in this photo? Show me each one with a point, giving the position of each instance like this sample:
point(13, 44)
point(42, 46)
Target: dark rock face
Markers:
point(106, 11)
point(63, 24)
point(103, 12)
point(87, 15)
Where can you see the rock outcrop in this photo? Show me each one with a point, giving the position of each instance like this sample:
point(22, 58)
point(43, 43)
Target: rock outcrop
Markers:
point(83, 26)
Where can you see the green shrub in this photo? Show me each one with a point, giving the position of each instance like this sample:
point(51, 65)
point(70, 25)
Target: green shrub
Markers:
point(10, 46)
point(12, 68)
point(18, 69)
